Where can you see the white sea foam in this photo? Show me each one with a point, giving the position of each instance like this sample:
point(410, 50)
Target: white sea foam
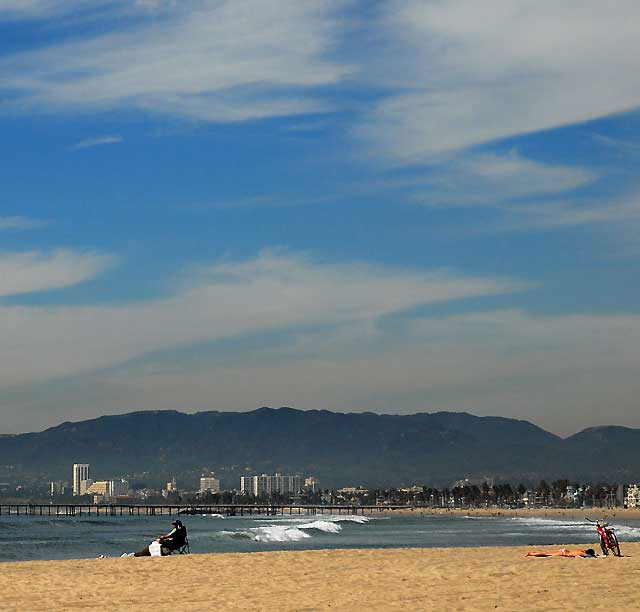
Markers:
point(291, 529)
point(348, 519)
point(276, 533)
point(333, 518)
point(218, 516)
point(555, 523)
point(281, 533)
point(627, 531)
point(326, 526)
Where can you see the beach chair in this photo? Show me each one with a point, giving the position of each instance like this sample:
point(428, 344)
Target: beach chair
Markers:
point(184, 549)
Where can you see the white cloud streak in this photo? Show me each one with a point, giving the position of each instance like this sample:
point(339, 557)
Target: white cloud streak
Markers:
point(41, 9)
point(474, 72)
point(270, 292)
point(20, 223)
point(97, 142)
point(208, 60)
point(34, 272)
point(491, 179)
point(559, 214)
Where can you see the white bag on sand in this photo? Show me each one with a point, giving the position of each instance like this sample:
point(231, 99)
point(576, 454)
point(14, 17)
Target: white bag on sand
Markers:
point(155, 549)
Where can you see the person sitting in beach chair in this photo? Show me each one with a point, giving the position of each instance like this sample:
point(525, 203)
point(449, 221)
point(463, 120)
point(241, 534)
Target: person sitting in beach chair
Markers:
point(176, 539)
point(563, 552)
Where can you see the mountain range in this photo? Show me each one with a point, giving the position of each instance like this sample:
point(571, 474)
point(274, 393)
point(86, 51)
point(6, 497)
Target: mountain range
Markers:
point(338, 448)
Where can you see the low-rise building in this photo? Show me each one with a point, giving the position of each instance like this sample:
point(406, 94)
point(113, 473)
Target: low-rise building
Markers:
point(108, 488)
point(352, 491)
point(312, 484)
point(171, 488)
point(632, 499)
point(209, 484)
point(84, 487)
point(99, 487)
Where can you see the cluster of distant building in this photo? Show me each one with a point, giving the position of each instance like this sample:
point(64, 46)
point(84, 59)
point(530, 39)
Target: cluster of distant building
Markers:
point(266, 485)
point(262, 485)
point(118, 489)
point(83, 484)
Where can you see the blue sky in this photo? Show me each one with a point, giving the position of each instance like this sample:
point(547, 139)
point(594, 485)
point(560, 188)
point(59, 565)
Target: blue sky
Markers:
point(398, 207)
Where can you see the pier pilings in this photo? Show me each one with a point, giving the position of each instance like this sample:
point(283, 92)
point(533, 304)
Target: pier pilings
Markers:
point(112, 510)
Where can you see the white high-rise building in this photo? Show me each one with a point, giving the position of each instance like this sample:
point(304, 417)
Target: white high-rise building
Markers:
point(266, 485)
point(80, 473)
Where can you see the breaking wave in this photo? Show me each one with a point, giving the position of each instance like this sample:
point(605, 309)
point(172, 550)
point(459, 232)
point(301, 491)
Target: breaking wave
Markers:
point(274, 533)
point(348, 519)
point(292, 533)
point(326, 526)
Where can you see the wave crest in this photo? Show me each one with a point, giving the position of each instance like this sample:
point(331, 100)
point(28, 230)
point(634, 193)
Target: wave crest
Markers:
point(325, 526)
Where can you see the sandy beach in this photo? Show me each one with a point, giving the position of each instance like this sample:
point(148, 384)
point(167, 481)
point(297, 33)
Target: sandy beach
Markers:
point(376, 579)
point(612, 514)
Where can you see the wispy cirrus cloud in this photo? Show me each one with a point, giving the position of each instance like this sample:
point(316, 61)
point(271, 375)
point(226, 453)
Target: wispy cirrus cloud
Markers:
point(40, 9)
point(491, 179)
point(267, 293)
point(21, 223)
point(466, 73)
point(31, 272)
point(627, 146)
point(560, 214)
point(208, 60)
point(97, 142)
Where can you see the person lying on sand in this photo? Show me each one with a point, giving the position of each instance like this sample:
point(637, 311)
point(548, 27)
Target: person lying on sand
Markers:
point(563, 552)
point(153, 550)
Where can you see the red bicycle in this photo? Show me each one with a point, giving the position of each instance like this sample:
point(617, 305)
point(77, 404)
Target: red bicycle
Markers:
point(608, 538)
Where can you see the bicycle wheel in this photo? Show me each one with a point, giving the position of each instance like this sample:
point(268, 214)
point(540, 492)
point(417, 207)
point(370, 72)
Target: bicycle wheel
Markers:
point(614, 544)
point(603, 545)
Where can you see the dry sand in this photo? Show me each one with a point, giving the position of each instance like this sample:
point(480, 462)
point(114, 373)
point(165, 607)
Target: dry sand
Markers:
point(391, 579)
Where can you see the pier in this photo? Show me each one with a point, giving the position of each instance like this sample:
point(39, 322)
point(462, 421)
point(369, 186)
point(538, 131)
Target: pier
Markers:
point(185, 509)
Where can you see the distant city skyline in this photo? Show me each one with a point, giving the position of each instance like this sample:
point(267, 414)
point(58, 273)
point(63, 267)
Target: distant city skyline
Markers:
point(397, 207)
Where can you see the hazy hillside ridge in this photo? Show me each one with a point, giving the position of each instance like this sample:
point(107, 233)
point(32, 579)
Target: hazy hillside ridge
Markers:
point(339, 448)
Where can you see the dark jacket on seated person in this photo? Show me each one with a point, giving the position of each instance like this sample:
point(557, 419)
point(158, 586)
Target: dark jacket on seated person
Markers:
point(177, 537)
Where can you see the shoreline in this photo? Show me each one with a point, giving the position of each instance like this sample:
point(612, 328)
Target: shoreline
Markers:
point(573, 513)
point(491, 578)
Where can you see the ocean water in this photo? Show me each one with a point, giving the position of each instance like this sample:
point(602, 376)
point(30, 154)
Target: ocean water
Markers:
point(33, 537)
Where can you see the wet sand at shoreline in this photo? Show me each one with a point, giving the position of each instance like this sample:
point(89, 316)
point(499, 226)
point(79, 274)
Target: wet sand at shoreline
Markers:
point(372, 579)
